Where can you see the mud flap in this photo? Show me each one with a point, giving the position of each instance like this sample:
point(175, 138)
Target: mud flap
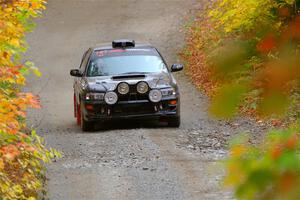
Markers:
point(78, 115)
point(74, 99)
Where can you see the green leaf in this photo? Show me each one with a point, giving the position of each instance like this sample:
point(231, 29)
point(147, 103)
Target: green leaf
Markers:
point(225, 104)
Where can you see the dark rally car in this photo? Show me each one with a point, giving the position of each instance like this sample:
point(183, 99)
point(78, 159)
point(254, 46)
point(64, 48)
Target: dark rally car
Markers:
point(125, 80)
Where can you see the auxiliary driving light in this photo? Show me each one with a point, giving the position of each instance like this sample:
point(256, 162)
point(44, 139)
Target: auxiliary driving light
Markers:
point(142, 87)
point(155, 96)
point(123, 88)
point(111, 98)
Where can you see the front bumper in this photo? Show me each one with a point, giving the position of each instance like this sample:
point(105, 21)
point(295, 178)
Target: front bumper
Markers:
point(140, 109)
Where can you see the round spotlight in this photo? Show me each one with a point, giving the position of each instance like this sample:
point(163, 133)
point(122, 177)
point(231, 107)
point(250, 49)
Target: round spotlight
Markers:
point(142, 87)
point(123, 88)
point(155, 96)
point(111, 98)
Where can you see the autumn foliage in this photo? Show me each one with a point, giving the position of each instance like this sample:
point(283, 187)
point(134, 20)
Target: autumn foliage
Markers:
point(22, 153)
point(250, 45)
point(270, 170)
point(246, 56)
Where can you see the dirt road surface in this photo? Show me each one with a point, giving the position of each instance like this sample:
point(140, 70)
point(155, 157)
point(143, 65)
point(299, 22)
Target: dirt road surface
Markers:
point(127, 160)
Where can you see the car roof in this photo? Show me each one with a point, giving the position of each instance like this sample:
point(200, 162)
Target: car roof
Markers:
point(108, 46)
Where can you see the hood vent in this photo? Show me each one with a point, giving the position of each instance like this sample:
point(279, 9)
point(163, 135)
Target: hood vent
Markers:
point(128, 76)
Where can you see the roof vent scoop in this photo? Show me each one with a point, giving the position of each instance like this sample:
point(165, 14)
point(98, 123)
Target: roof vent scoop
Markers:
point(123, 44)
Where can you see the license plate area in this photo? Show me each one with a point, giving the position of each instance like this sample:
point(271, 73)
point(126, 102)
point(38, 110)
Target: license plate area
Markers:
point(133, 109)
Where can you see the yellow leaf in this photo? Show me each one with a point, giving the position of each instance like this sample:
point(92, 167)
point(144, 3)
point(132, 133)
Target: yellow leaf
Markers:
point(238, 150)
point(20, 80)
point(36, 71)
point(15, 42)
point(291, 2)
point(1, 164)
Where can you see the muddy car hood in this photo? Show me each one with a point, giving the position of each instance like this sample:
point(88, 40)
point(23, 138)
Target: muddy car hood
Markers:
point(109, 83)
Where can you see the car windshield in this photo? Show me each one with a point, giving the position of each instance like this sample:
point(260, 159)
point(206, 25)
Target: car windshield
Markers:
point(129, 64)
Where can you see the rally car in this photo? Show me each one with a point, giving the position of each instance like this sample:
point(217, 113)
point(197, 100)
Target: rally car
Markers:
point(125, 80)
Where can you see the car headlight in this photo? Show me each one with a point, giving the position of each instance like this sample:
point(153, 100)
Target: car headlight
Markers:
point(123, 88)
point(94, 96)
point(168, 92)
point(142, 87)
point(155, 96)
point(111, 98)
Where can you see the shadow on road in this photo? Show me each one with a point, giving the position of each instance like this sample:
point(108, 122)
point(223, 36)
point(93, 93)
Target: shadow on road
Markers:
point(128, 124)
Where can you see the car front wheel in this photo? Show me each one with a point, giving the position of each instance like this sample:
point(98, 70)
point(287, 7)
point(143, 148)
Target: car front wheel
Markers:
point(85, 125)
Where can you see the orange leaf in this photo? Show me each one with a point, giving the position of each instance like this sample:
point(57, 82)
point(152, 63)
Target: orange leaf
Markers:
point(267, 44)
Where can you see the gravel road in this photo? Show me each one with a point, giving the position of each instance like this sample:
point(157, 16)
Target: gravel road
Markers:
point(127, 160)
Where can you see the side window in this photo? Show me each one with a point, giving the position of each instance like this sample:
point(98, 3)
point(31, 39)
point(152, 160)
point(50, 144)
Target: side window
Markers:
point(85, 60)
point(82, 59)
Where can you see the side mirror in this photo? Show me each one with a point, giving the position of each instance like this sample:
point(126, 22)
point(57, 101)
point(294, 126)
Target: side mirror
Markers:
point(176, 67)
point(75, 72)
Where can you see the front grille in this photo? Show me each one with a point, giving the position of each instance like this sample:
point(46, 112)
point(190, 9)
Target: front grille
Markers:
point(133, 109)
point(133, 95)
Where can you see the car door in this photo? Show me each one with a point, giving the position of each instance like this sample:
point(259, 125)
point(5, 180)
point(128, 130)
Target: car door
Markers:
point(79, 81)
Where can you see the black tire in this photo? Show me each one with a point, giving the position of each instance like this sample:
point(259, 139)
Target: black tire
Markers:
point(86, 125)
point(174, 122)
